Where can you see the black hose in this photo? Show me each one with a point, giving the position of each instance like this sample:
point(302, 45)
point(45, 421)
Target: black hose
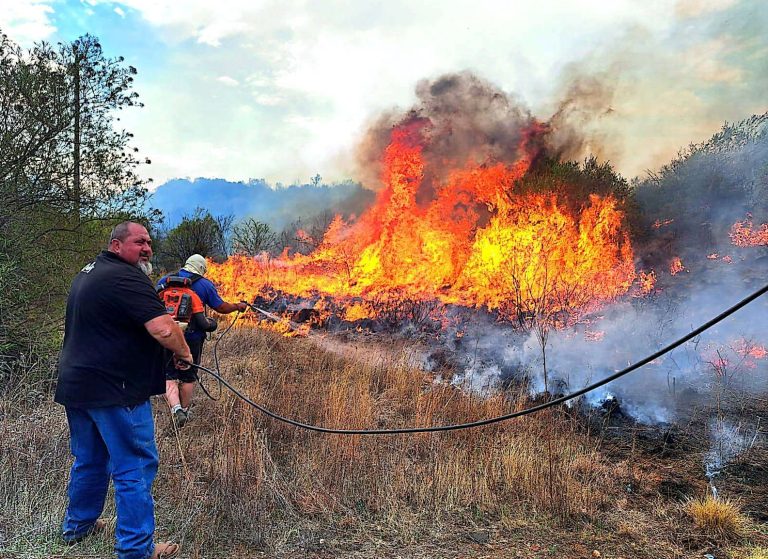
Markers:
point(707, 325)
point(216, 359)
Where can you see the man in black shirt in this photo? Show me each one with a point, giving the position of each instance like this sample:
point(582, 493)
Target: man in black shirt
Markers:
point(110, 364)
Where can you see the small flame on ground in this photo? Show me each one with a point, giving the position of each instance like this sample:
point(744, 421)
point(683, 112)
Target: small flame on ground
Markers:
point(676, 266)
point(714, 256)
point(647, 282)
point(358, 311)
point(744, 233)
point(750, 349)
point(284, 326)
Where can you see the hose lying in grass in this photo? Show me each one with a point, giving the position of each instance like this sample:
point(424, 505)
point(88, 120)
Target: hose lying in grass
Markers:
point(707, 325)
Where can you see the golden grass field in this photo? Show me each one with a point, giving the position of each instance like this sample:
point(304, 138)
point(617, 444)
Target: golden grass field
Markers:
point(233, 483)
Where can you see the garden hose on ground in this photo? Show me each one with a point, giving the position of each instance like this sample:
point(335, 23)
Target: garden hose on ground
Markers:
point(556, 401)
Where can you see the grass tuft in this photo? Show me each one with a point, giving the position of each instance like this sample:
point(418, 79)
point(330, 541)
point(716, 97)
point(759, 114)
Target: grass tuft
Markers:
point(758, 553)
point(718, 517)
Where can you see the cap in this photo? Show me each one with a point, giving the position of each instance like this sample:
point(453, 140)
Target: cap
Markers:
point(196, 264)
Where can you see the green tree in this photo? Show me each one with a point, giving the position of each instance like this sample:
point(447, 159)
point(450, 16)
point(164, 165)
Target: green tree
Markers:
point(198, 233)
point(304, 235)
point(67, 175)
point(96, 87)
point(251, 237)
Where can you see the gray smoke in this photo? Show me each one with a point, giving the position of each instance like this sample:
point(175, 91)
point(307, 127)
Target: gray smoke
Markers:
point(715, 365)
point(728, 440)
point(471, 121)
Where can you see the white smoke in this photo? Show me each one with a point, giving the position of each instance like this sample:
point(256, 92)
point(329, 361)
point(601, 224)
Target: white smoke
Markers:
point(714, 365)
point(728, 440)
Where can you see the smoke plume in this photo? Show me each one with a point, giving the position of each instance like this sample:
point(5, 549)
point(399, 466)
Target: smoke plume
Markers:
point(470, 121)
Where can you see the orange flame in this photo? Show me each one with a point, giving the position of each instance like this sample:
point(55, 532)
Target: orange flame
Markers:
point(748, 349)
point(676, 266)
point(661, 223)
point(743, 233)
point(476, 242)
point(284, 327)
point(647, 282)
point(358, 311)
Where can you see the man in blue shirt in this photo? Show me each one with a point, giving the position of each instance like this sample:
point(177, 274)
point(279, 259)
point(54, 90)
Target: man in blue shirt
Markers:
point(180, 384)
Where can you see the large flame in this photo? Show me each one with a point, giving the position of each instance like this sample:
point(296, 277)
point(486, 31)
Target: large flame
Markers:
point(477, 241)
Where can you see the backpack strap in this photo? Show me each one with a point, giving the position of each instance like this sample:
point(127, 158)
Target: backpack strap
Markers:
point(192, 278)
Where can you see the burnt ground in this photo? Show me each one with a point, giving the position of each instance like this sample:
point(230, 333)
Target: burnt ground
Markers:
point(661, 467)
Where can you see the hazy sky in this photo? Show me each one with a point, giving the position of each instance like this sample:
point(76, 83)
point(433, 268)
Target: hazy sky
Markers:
point(283, 89)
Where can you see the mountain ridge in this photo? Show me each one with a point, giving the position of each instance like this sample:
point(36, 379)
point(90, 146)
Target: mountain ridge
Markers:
point(277, 206)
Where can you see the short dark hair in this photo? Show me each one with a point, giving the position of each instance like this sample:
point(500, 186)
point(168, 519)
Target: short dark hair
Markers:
point(120, 231)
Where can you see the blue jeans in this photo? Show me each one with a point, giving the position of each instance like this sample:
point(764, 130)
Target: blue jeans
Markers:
point(116, 443)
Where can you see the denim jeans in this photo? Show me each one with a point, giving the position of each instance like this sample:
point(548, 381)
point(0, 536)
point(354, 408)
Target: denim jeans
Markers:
point(116, 443)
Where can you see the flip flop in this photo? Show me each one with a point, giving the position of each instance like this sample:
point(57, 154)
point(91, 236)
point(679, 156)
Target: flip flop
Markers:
point(165, 550)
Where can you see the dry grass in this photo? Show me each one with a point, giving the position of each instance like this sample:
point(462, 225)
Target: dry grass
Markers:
point(718, 517)
point(235, 482)
point(251, 470)
point(758, 553)
point(482, 468)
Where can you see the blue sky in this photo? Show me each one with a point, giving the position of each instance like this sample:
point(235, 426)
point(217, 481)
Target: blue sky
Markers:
point(283, 90)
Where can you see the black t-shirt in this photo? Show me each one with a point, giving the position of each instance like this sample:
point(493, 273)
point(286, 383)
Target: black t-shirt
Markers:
point(108, 357)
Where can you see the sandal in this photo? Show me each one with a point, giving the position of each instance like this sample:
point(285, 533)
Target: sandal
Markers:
point(165, 550)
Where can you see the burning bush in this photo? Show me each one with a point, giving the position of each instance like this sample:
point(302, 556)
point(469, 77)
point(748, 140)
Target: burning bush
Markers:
point(469, 211)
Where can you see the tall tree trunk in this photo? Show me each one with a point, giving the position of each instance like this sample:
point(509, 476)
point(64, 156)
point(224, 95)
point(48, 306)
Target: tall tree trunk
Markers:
point(76, 194)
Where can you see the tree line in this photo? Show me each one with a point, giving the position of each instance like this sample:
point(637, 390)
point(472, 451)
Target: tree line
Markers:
point(219, 236)
point(69, 173)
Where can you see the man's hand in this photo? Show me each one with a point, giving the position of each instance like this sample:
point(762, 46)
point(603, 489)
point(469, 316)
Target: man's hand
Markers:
point(227, 307)
point(182, 362)
point(165, 330)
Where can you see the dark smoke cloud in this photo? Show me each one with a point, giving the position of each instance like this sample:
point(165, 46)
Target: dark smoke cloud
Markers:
point(574, 128)
point(472, 121)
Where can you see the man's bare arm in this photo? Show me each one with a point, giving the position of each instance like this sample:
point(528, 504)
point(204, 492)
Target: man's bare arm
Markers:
point(165, 330)
point(226, 308)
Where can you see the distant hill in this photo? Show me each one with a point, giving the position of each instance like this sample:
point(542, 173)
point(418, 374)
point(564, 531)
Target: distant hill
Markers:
point(277, 206)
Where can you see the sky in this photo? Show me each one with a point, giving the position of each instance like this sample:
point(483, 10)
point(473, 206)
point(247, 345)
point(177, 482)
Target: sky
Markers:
point(284, 90)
